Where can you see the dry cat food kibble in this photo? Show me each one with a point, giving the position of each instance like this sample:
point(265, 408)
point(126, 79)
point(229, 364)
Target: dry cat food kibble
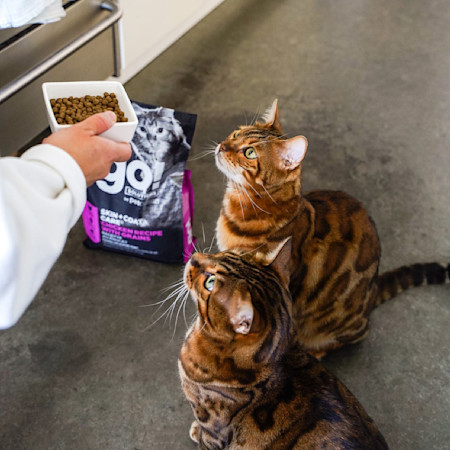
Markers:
point(70, 110)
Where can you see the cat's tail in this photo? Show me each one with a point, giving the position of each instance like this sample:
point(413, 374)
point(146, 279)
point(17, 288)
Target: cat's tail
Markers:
point(397, 280)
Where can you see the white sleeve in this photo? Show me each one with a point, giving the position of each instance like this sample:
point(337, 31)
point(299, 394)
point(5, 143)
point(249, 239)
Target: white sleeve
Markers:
point(42, 195)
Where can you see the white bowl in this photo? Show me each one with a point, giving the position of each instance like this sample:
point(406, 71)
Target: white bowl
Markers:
point(121, 131)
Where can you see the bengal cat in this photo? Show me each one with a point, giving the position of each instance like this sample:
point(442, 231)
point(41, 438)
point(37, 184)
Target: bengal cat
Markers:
point(336, 250)
point(247, 378)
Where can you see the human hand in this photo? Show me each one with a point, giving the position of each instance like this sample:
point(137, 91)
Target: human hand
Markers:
point(94, 154)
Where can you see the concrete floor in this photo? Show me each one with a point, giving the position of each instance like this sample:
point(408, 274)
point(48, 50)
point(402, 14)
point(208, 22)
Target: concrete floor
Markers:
point(368, 83)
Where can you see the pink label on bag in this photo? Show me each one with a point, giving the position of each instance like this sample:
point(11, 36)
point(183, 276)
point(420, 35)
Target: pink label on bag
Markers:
point(91, 222)
point(188, 214)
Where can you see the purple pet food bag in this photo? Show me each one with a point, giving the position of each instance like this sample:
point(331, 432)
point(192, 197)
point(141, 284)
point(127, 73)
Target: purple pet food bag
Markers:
point(144, 207)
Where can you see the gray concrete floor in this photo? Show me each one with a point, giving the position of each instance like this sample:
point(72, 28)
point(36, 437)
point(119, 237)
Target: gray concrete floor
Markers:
point(368, 83)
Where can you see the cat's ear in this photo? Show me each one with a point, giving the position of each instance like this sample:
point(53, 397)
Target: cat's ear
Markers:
point(240, 310)
point(169, 113)
point(272, 117)
point(279, 259)
point(291, 152)
point(166, 112)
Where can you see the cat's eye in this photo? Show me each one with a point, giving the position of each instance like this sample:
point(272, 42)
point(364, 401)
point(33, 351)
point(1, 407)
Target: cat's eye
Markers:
point(236, 134)
point(160, 130)
point(209, 282)
point(250, 153)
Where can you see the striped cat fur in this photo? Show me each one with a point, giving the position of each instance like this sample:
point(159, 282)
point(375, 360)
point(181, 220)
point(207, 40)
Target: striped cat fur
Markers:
point(333, 269)
point(248, 380)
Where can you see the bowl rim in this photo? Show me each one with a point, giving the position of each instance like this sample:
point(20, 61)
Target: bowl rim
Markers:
point(133, 120)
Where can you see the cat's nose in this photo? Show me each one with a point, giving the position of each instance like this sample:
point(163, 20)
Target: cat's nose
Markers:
point(194, 261)
point(197, 259)
point(222, 147)
point(191, 268)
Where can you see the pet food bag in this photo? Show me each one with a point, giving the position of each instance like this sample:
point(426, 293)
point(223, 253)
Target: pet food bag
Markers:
point(144, 207)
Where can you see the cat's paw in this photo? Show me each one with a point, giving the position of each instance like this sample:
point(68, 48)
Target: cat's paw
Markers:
point(194, 432)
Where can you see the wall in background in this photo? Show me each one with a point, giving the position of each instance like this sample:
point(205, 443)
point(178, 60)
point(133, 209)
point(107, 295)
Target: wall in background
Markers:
point(148, 27)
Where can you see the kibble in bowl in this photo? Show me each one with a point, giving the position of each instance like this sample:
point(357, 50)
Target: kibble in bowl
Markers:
point(68, 103)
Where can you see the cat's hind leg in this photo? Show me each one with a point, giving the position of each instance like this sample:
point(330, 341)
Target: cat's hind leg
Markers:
point(354, 334)
point(348, 336)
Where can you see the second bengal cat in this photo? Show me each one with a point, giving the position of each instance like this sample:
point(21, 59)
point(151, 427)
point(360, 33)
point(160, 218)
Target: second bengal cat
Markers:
point(249, 382)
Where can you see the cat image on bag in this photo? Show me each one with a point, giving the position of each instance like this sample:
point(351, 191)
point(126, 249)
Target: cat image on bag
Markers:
point(335, 252)
point(160, 142)
point(249, 382)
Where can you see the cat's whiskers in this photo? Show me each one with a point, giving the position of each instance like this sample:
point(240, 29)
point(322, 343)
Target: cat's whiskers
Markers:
point(212, 242)
point(241, 187)
point(207, 248)
point(236, 188)
point(178, 290)
point(203, 231)
point(213, 146)
point(271, 198)
point(196, 247)
point(172, 287)
point(245, 119)
point(176, 284)
point(182, 306)
point(242, 190)
point(181, 294)
point(186, 254)
point(235, 174)
point(255, 116)
point(203, 326)
point(255, 191)
point(203, 154)
point(193, 319)
point(253, 202)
